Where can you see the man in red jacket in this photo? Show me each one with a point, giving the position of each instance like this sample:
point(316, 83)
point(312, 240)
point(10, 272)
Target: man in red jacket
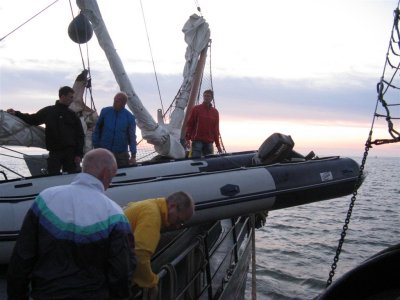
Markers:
point(203, 127)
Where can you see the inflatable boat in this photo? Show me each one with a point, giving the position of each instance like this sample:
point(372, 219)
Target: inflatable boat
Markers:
point(223, 186)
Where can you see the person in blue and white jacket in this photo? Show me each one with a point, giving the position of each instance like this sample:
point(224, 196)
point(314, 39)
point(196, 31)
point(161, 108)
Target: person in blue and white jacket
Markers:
point(75, 242)
point(115, 130)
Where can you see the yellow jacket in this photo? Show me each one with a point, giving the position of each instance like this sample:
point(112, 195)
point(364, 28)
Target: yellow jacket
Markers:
point(146, 218)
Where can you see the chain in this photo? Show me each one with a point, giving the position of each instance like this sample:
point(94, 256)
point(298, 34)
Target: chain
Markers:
point(348, 217)
point(381, 89)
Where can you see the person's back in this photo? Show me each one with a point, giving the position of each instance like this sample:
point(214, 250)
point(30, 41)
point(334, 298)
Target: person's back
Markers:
point(74, 244)
point(147, 218)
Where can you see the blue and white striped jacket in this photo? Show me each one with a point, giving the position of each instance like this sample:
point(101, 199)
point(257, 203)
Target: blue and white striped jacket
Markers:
point(75, 243)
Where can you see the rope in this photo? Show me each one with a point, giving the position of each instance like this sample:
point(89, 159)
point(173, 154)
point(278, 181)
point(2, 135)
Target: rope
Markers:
point(76, 31)
point(212, 88)
point(198, 7)
point(384, 85)
point(253, 258)
point(12, 150)
point(89, 78)
point(152, 58)
point(8, 169)
point(34, 16)
point(12, 156)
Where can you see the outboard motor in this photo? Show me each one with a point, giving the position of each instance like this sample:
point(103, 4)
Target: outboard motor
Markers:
point(275, 148)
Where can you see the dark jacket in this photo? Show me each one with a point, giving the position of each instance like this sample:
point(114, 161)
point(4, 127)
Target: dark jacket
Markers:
point(63, 127)
point(75, 243)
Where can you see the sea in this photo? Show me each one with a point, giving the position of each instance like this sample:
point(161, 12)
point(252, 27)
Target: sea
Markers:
point(296, 247)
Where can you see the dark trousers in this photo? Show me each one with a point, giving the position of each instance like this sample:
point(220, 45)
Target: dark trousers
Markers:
point(62, 160)
point(122, 159)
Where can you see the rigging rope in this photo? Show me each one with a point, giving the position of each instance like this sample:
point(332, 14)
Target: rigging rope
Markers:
point(253, 258)
point(152, 58)
point(196, 2)
point(18, 152)
point(385, 85)
point(34, 16)
point(212, 88)
point(383, 88)
point(89, 77)
point(76, 30)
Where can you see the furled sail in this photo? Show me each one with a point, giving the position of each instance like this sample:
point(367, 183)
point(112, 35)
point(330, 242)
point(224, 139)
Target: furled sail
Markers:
point(197, 36)
point(87, 115)
point(15, 132)
point(164, 137)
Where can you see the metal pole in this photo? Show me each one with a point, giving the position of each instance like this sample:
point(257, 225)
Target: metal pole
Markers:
point(253, 259)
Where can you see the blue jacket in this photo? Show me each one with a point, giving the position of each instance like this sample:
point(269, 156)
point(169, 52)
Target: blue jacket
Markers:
point(115, 130)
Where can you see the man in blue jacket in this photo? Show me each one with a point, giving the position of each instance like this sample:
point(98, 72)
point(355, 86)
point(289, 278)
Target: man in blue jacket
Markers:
point(115, 130)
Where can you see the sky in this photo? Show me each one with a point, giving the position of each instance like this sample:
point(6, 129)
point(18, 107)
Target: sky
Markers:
point(307, 68)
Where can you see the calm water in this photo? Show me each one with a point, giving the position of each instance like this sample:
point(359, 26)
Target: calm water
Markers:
point(296, 248)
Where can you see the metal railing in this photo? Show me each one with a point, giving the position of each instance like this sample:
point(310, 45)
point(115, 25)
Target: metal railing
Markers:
point(203, 269)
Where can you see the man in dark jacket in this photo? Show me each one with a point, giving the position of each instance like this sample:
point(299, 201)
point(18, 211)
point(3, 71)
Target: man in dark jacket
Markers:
point(64, 133)
point(75, 242)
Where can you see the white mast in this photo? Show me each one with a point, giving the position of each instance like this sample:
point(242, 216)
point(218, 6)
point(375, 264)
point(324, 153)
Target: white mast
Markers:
point(164, 137)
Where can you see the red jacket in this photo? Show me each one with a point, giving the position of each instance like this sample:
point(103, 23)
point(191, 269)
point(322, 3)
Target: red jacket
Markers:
point(203, 125)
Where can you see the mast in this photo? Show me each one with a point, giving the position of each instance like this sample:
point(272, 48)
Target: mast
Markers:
point(164, 137)
point(195, 89)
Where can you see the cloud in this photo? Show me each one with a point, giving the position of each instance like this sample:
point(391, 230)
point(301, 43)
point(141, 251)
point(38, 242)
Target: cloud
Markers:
point(305, 100)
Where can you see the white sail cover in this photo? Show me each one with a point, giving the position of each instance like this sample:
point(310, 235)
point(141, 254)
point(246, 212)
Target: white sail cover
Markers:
point(197, 36)
point(164, 137)
point(87, 115)
point(15, 132)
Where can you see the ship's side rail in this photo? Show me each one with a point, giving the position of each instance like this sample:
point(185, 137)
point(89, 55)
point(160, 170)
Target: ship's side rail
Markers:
point(204, 269)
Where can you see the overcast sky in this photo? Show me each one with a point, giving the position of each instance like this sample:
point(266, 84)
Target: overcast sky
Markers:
point(304, 68)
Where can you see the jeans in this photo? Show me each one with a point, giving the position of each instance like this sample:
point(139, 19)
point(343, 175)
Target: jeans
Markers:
point(201, 148)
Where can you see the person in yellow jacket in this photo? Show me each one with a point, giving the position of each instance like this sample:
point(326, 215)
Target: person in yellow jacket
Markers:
point(147, 218)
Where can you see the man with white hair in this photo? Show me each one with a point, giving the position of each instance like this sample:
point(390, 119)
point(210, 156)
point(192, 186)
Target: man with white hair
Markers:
point(75, 242)
point(115, 130)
